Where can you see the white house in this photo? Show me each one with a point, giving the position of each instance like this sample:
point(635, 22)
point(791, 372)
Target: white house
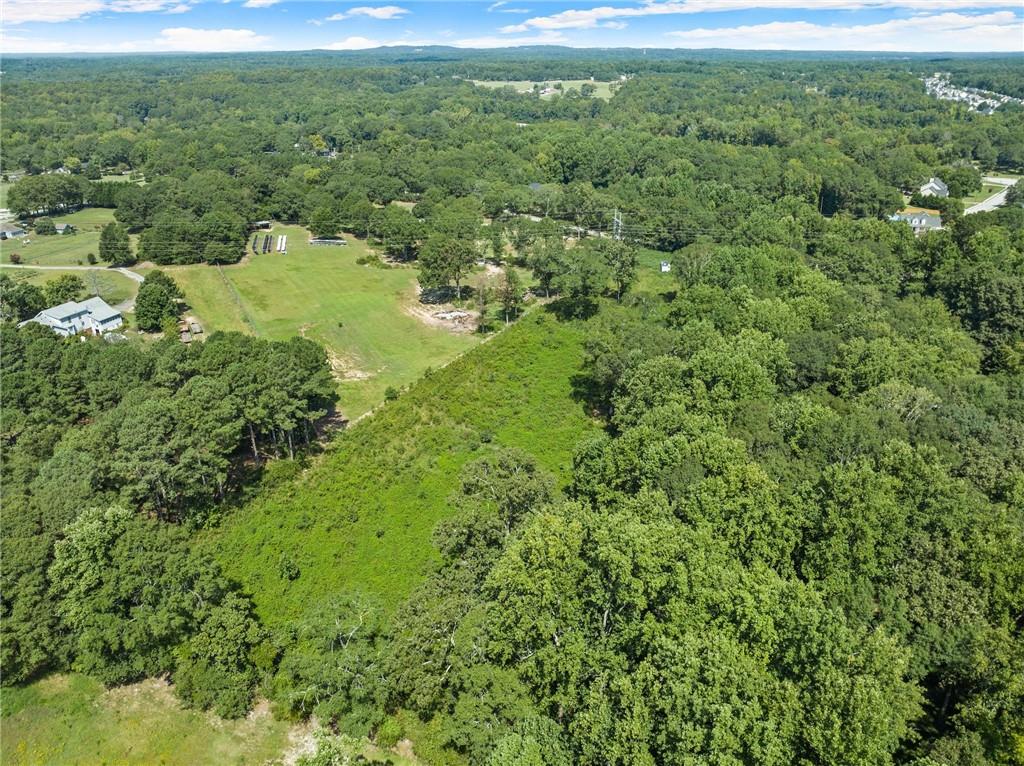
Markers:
point(12, 232)
point(920, 221)
point(93, 315)
point(934, 188)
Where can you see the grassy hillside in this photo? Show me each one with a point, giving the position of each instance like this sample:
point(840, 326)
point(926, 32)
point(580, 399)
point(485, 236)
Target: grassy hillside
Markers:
point(363, 515)
point(363, 315)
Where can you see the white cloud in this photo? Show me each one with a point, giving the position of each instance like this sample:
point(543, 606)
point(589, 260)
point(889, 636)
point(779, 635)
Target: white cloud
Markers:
point(1001, 31)
point(500, 7)
point(353, 44)
point(589, 18)
point(189, 39)
point(382, 13)
point(24, 11)
point(259, 3)
point(182, 39)
point(357, 43)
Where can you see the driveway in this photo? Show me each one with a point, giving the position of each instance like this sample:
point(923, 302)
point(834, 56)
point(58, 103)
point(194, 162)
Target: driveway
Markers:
point(132, 275)
point(996, 199)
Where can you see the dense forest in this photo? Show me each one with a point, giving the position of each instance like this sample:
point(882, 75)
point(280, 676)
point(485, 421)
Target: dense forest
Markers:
point(797, 536)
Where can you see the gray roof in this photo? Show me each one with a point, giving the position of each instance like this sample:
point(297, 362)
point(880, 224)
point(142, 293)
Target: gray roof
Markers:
point(922, 220)
point(65, 310)
point(100, 310)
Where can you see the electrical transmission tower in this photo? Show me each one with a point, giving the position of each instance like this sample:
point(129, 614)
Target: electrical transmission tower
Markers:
point(617, 225)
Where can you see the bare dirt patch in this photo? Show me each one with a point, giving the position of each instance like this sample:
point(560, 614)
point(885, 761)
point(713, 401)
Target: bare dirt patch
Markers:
point(443, 317)
point(344, 368)
point(404, 749)
point(301, 741)
point(134, 696)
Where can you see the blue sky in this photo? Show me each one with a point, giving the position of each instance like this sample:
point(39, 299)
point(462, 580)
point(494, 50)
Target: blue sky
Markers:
point(265, 25)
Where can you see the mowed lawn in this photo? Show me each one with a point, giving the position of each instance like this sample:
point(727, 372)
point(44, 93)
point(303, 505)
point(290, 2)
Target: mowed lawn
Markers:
point(110, 285)
point(361, 314)
point(361, 517)
point(71, 720)
point(62, 249)
point(987, 190)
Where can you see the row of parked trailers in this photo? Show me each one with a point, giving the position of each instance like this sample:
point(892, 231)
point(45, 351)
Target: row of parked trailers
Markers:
point(280, 243)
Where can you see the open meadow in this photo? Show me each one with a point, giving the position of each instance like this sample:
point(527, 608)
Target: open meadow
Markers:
point(602, 89)
point(376, 332)
point(71, 720)
point(62, 249)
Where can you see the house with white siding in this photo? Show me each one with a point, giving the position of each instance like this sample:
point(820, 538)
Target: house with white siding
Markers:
point(935, 187)
point(93, 315)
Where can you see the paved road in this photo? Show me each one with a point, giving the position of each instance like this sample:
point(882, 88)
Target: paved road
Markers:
point(996, 199)
point(132, 275)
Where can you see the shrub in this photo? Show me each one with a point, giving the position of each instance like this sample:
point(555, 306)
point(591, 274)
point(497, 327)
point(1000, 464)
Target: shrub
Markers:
point(389, 733)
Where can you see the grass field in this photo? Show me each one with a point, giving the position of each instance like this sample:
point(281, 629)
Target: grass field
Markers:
point(603, 89)
point(987, 190)
point(361, 314)
point(111, 286)
point(362, 516)
point(70, 720)
point(61, 249)
point(649, 276)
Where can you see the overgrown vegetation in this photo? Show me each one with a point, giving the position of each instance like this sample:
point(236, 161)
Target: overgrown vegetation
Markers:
point(770, 513)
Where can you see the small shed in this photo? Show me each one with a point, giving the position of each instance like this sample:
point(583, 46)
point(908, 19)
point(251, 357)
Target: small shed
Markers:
point(666, 267)
point(195, 328)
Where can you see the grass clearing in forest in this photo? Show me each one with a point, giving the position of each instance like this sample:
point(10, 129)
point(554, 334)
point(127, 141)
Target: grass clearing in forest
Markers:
point(602, 89)
point(361, 518)
point(62, 249)
point(72, 720)
point(367, 317)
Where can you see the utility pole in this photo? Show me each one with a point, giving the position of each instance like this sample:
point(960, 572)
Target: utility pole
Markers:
point(617, 225)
